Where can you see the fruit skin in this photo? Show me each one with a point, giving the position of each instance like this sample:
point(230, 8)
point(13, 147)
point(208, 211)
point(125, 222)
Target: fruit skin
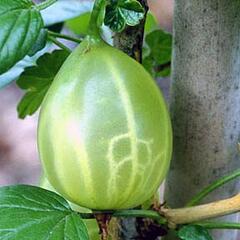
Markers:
point(104, 134)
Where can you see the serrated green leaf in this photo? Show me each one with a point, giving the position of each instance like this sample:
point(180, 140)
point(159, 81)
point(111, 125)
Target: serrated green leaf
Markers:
point(29, 212)
point(40, 43)
point(123, 12)
point(37, 80)
point(20, 24)
point(114, 19)
point(132, 5)
point(91, 224)
point(192, 232)
point(131, 18)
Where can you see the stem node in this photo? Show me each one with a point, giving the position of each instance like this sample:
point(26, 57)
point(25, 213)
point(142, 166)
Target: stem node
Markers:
point(103, 220)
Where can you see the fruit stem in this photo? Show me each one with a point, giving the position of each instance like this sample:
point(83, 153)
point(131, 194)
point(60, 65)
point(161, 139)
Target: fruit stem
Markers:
point(174, 217)
point(128, 214)
point(94, 24)
point(141, 213)
point(218, 183)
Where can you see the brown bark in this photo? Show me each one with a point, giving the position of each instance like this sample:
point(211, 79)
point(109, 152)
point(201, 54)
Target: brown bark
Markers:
point(130, 40)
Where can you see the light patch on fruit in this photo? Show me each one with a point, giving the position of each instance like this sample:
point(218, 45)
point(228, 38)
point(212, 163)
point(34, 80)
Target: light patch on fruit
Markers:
point(75, 136)
point(125, 98)
point(118, 165)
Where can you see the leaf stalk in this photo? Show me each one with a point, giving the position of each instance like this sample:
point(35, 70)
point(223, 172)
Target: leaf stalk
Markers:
point(219, 225)
point(59, 44)
point(218, 183)
point(63, 36)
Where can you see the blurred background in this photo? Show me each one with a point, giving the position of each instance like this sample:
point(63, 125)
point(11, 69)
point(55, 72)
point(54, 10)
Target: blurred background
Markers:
point(19, 161)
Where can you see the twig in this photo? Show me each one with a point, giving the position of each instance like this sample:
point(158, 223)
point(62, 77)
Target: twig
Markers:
point(201, 212)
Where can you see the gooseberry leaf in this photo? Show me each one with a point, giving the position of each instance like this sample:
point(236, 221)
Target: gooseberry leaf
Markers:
point(160, 43)
point(19, 67)
point(151, 23)
point(29, 212)
point(120, 13)
point(20, 25)
point(40, 42)
point(158, 54)
point(194, 232)
point(36, 80)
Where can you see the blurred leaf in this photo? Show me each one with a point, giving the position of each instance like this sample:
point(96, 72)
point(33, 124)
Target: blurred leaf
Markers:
point(160, 43)
point(151, 23)
point(40, 43)
point(20, 25)
point(36, 81)
point(164, 71)
point(120, 13)
point(29, 212)
point(157, 58)
point(65, 11)
point(148, 63)
point(192, 232)
point(79, 25)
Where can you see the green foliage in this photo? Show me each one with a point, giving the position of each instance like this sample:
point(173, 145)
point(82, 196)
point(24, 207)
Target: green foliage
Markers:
point(18, 68)
point(36, 81)
point(29, 212)
point(158, 59)
point(123, 12)
point(79, 25)
point(65, 11)
point(151, 23)
point(20, 25)
point(192, 232)
point(40, 43)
